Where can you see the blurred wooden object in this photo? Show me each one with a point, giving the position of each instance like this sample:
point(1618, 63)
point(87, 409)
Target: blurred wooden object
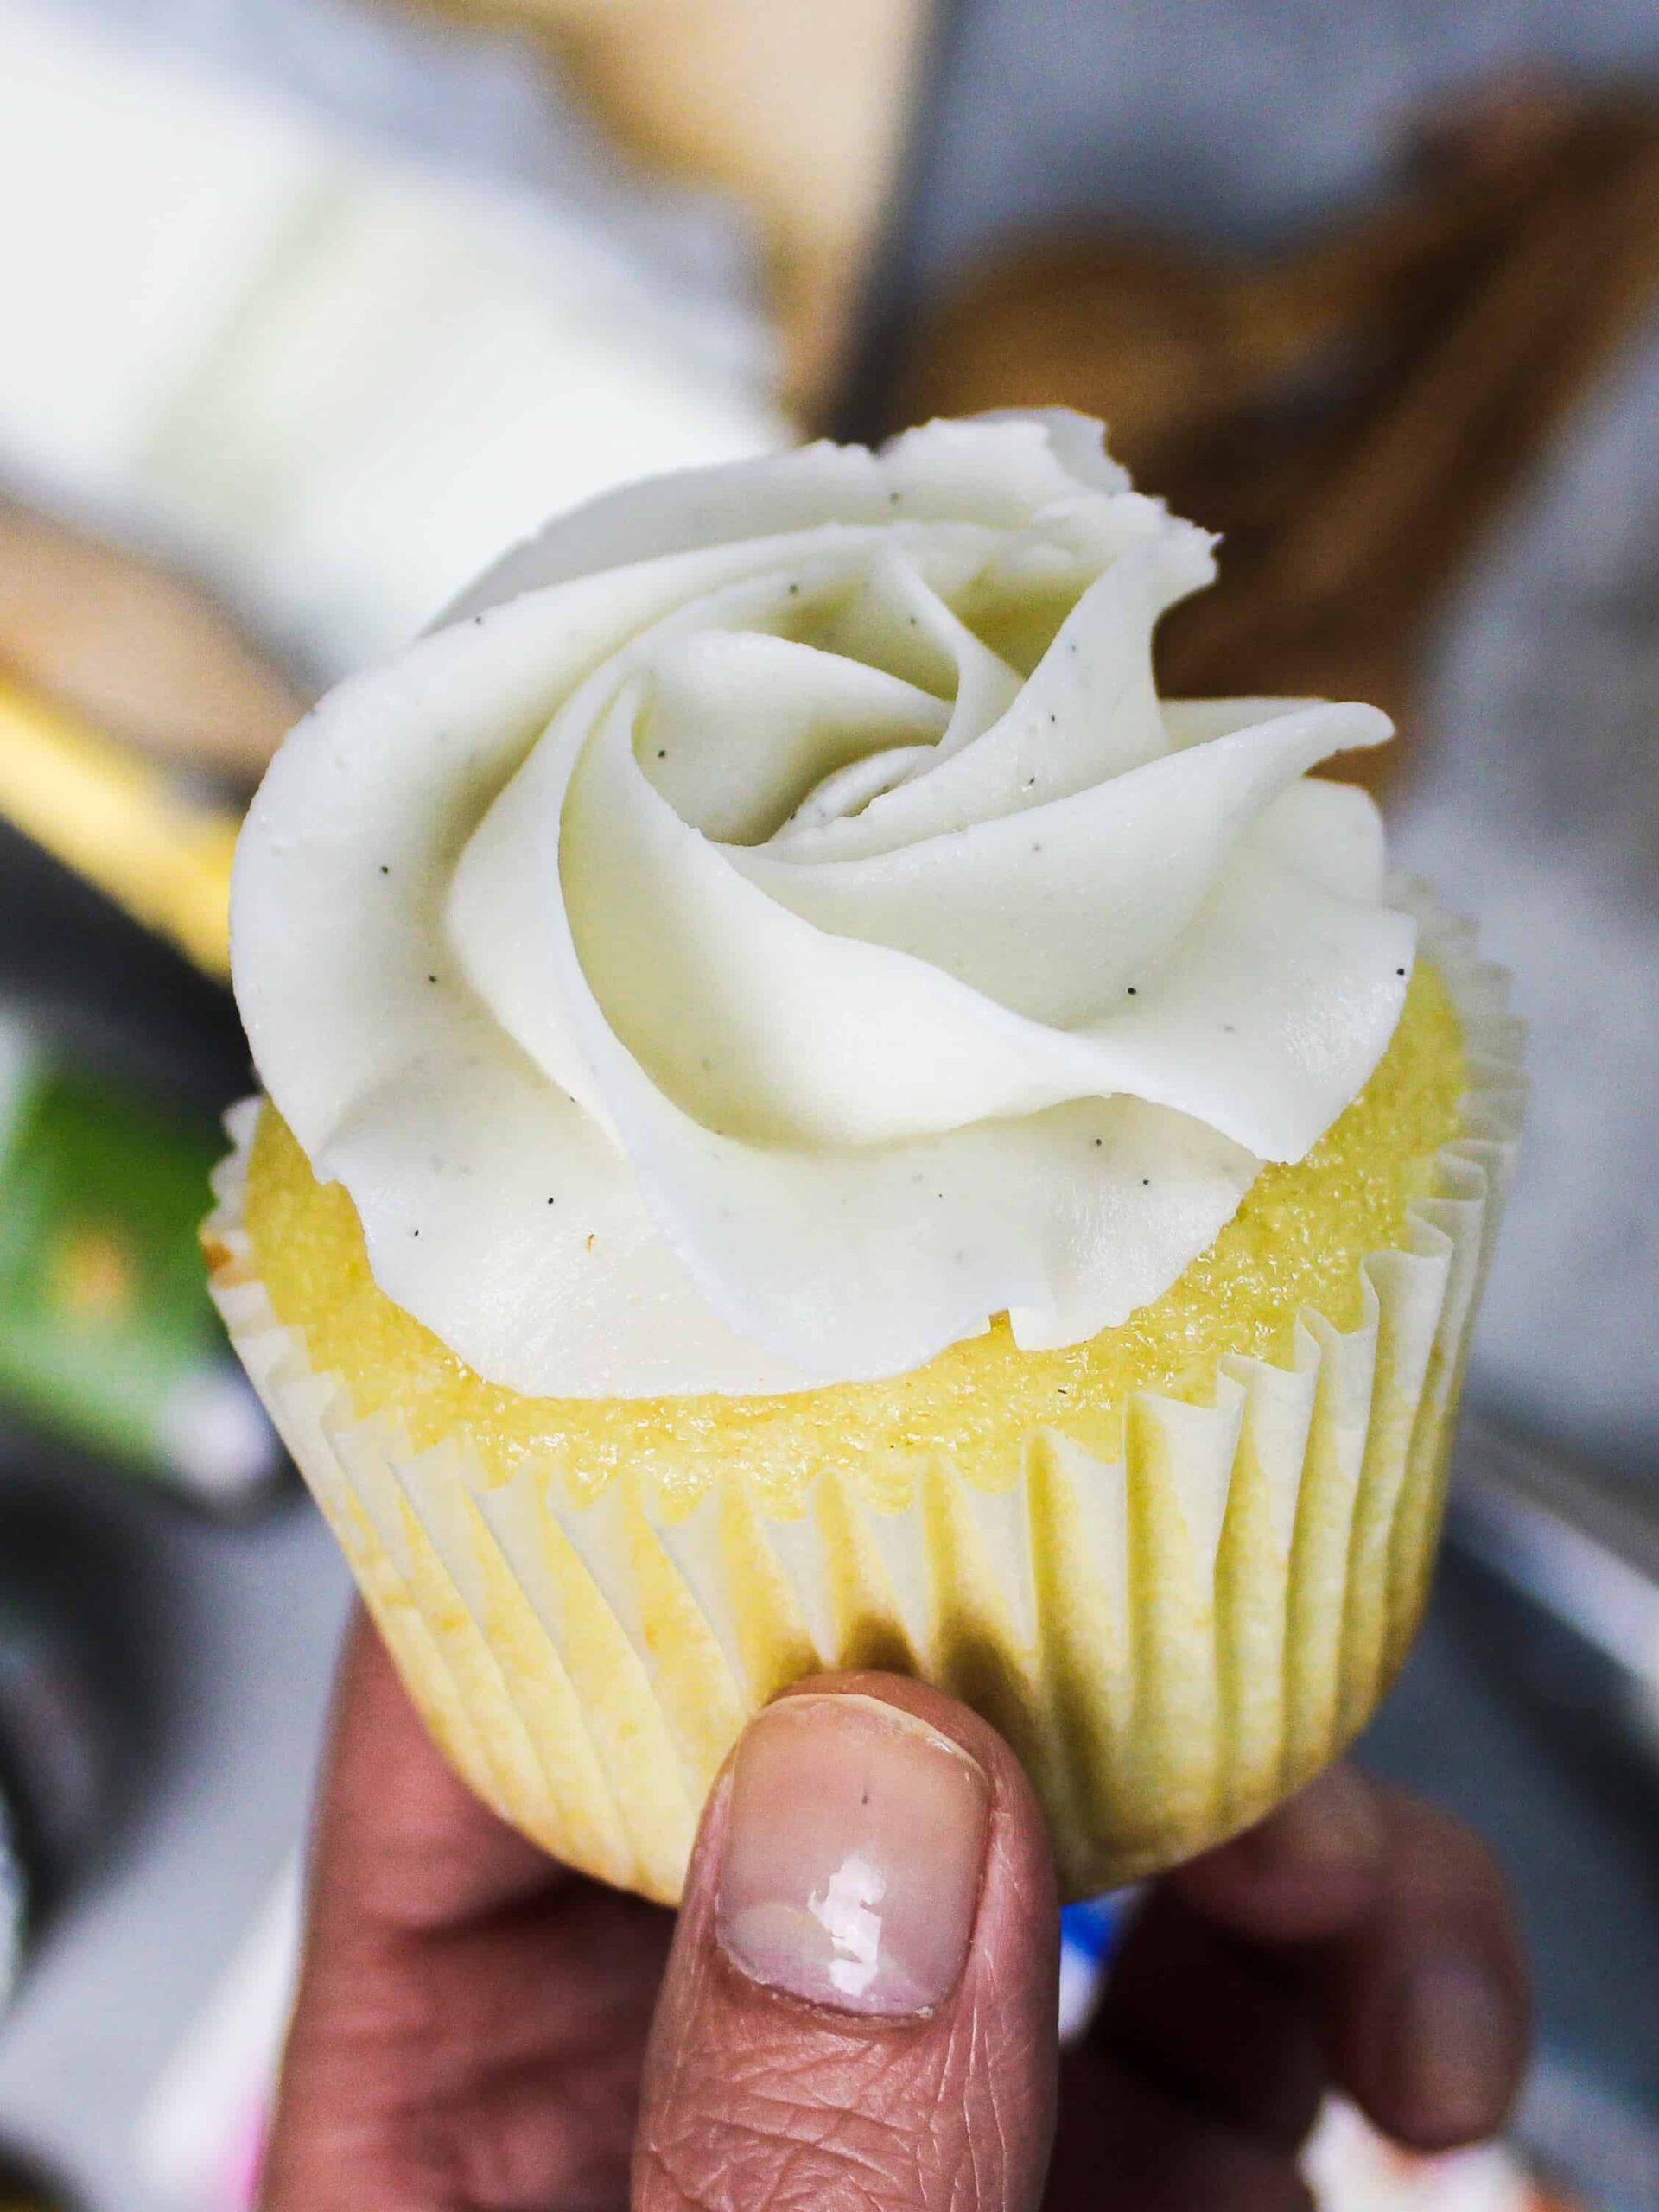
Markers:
point(796, 108)
point(1352, 416)
point(134, 650)
point(125, 824)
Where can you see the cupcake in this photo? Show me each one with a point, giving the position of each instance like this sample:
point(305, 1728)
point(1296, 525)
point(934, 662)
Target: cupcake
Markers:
point(811, 1120)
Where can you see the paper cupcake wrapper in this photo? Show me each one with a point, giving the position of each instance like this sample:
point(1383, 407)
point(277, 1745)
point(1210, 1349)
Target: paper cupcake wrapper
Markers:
point(1172, 1642)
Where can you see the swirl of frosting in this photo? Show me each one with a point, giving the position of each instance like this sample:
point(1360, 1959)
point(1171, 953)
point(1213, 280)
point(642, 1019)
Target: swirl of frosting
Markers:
point(773, 927)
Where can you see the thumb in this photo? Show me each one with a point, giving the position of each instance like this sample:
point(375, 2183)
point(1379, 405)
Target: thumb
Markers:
point(859, 2005)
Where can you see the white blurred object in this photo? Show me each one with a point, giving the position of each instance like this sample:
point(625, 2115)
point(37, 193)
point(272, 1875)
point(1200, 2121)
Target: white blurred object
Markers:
point(1350, 2168)
point(337, 382)
point(199, 2140)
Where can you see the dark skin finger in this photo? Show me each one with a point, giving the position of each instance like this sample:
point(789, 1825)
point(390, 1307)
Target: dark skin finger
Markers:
point(1356, 1941)
point(1426, 2005)
point(780, 2073)
point(472, 2019)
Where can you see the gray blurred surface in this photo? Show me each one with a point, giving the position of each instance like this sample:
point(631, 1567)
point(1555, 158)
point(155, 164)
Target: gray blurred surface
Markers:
point(1245, 119)
point(1575, 1833)
point(1245, 122)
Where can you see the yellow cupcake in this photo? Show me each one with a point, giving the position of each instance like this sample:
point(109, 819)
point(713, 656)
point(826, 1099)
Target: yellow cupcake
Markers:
point(1177, 1557)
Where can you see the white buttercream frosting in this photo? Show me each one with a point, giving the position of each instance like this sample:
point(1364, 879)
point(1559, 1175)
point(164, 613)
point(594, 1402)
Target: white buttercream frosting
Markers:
point(774, 926)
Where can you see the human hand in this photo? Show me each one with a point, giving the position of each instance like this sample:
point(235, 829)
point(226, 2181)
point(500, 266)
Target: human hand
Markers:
point(479, 2030)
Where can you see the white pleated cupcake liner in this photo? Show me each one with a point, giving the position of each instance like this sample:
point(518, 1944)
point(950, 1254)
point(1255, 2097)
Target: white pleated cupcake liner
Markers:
point(1172, 1640)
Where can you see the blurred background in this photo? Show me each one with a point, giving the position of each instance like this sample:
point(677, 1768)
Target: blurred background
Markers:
point(307, 307)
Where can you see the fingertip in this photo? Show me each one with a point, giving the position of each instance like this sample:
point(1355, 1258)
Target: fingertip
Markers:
point(865, 1966)
point(1312, 1868)
point(1446, 2051)
point(1429, 2003)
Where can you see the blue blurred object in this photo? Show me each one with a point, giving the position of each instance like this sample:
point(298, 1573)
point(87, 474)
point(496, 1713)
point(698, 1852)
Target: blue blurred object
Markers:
point(1089, 1934)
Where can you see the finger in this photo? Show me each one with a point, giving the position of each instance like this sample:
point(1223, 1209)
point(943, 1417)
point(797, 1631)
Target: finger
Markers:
point(1355, 1937)
point(1204, 2068)
point(405, 1845)
point(1221, 2027)
point(1426, 2000)
point(1313, 1869)
point(471, 2018)
point(1124, 2140)
point(1210, 1997)
point(860, 2003)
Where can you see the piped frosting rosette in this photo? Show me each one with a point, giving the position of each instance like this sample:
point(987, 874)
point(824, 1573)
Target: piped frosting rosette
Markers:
point(790, 873)
point(771, 929)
